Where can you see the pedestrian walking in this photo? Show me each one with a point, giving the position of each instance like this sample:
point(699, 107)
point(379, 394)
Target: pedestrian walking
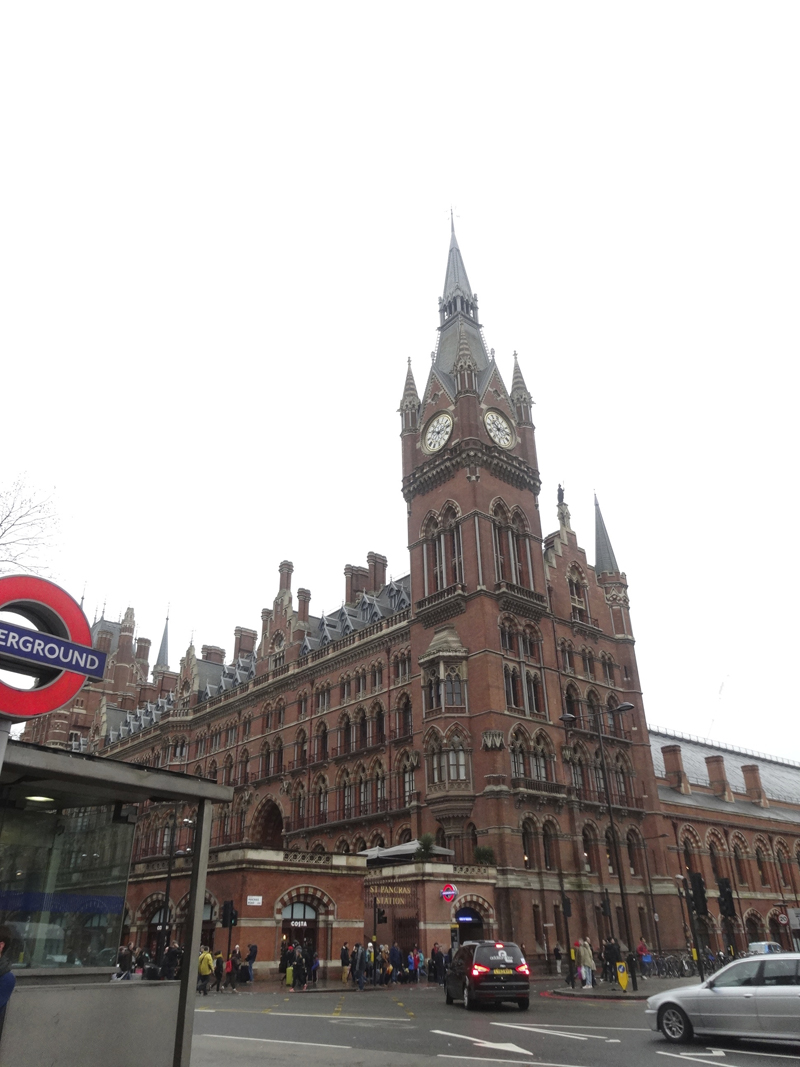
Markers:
point(359, 964)
point(557, 956)
point(250, 959)
point(232, 970)
point(344, 956)
point(395, 961)
point(219, 971)
point(584, 960)
point(205, 968)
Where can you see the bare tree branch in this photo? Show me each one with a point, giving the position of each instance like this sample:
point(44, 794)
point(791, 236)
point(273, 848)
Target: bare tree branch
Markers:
point(28, 525)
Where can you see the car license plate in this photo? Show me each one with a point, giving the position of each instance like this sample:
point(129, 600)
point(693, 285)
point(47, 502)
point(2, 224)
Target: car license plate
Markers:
point(498, 970)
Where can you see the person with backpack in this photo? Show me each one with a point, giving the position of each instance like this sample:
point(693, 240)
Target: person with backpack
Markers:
point(219, 971)
point(232, 970)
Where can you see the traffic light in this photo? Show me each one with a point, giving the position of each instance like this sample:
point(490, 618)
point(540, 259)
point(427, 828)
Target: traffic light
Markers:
point(605, 907)
point(566, 906)
point(234, 916)
point(726, 904)
point(229, 915)
point(699, 902)
point(382, 916)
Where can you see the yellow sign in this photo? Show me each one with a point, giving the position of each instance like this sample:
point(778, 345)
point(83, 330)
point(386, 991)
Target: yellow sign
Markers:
point(622, 976)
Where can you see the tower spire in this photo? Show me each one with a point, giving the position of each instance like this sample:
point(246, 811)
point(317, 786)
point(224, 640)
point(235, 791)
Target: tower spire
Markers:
point(605, 562)
point(456, 282)
point(163, 653)
point(458, 304)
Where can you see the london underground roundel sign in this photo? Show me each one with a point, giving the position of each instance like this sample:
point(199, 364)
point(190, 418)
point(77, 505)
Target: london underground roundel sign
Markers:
point(449, 892)
point(58, 653)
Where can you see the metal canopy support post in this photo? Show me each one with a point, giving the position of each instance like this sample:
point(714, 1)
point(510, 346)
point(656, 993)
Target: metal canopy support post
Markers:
point(194, 928)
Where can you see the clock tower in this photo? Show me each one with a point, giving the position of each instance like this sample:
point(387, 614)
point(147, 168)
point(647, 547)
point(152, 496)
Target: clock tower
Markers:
point(471, 483)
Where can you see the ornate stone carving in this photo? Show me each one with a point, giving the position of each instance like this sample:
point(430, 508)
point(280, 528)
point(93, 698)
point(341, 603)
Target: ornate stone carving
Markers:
point(493, 739)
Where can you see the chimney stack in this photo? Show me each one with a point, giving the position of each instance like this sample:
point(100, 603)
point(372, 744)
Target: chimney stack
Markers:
point(266, 618)
point(285, 569)
point(303, 600)
point(244, 641)
point(752, 784)
point(143, 651)
point(212, 654)
point(673, 768)
point(377, 571)
point(717, 778)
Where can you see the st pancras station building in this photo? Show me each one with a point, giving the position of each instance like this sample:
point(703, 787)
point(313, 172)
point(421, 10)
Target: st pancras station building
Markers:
point(462, 751)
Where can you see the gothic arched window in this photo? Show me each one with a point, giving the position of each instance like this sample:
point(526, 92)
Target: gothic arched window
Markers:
point(452, 688)
point(457, 761)
point(500, 528)
point(534, 693)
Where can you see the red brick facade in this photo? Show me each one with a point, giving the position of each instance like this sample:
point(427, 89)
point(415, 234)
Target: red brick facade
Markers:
point(434, 705)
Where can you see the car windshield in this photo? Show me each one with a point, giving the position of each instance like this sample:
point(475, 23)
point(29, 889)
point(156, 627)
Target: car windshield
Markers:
point(498, 956)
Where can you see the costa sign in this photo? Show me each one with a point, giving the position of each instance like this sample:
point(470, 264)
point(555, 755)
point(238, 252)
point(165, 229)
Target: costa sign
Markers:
point(58, 653)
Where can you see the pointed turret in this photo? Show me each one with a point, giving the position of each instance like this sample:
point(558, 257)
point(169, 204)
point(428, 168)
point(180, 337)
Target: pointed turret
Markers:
point(163, 652)
point(409, 405)
point(520, 396)
point(605, 561)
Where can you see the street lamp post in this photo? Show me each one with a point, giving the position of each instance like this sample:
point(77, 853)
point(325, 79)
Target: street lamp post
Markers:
point(653, 911)
point(568, 719)
point(166, 924)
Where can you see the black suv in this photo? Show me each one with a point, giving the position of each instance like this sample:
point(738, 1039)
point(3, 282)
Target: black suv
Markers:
point(488, 971)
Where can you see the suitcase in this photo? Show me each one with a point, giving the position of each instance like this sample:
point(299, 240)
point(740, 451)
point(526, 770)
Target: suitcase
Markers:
point(244, 972)
point(290, 974)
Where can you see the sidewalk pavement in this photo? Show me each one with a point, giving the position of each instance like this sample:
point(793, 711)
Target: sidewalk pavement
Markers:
point(648, 987)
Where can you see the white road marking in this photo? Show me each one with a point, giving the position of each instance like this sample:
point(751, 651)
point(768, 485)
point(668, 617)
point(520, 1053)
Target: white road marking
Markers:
point(776, 1055)
point(559, 1033)
point(708, 1052)
point(575, 1026)
point(685, 1056)
point(499, 1046)
point(554, 1033)
point(519, 1063)
point(272, 1041)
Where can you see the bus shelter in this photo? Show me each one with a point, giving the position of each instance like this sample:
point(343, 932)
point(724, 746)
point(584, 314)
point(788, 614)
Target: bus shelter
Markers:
point(67, 824)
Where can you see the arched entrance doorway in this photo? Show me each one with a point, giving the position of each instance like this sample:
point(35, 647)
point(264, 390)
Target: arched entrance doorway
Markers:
point(470, 925)
point(267, 829)
point(754, 927)
point(159, 916)
point(299, 923)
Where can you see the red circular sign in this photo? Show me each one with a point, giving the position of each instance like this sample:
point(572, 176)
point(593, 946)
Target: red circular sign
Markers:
point(449, 893)
point(52, 609)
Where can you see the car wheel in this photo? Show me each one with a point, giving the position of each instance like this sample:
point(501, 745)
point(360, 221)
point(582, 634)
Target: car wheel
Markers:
point(469, 1001)
point(674, 1024)
point(524, 1003)
point(447, 998)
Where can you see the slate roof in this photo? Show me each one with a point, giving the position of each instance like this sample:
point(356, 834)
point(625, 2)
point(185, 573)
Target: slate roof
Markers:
point(780, 778)
point(112, 627)
point(325, 629)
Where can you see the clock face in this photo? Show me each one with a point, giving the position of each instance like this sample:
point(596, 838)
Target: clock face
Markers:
point(498, 429)
point(438, 431)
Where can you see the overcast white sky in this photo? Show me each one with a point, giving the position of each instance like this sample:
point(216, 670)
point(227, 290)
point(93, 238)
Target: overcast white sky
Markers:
point(225, 229)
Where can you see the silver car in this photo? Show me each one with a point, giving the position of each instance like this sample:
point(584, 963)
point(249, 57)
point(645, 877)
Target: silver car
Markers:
point(757, 997)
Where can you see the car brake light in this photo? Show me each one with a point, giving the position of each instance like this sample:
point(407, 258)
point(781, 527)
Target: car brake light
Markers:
point(499, 944)
point(523, 968)
point(478, 968)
